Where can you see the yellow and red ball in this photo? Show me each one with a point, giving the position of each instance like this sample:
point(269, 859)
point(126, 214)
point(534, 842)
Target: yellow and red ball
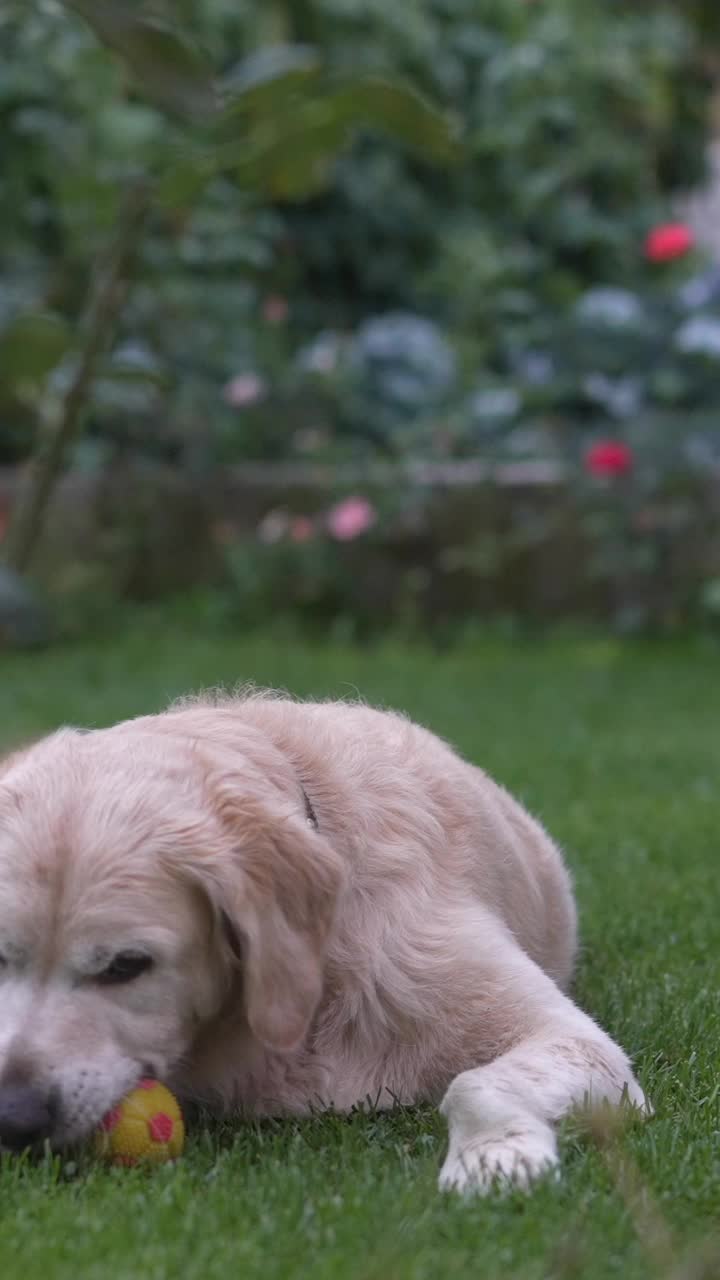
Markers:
point(145, 1128)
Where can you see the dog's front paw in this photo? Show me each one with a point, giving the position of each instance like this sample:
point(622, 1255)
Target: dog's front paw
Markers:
point(500, 1161)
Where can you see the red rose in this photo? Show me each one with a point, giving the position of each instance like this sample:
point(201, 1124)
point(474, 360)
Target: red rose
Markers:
point(609, 458)
point(671, 240)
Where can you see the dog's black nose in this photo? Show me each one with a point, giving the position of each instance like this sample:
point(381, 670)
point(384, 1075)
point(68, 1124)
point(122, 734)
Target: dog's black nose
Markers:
point(25, 1116)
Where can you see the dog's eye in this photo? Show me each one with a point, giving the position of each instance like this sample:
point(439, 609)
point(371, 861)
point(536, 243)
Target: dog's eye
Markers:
point(125, 967)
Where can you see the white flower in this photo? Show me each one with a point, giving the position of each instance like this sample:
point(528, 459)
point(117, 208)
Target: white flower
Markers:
point(700, 335)
point(321, 355)
point(499, 403)
point(617, 308)
point(273, 526)
point(619, 396)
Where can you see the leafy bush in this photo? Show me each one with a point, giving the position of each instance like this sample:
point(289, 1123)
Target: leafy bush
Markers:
point(576, 123)
point(299, 298)
point(608, 414)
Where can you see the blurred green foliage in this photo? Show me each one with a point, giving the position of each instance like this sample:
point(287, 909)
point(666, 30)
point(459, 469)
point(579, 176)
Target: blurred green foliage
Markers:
point(379, 231)
point(576, 122)
point(102, 95)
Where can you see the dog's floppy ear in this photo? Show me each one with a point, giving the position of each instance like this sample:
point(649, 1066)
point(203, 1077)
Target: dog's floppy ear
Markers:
point(293, 882)
point(276, 886)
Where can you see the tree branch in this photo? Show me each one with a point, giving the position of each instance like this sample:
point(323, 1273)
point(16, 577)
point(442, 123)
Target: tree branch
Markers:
point(57, 434)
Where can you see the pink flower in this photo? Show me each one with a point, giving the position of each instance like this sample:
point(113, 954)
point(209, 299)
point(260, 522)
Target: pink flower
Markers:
point(349, 518)
point(609, 458)
point(302, 529)
point(669, 241)
point(243, 390)
point(275, 309)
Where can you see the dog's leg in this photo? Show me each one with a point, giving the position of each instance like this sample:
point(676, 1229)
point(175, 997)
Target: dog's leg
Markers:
point(501, 1115)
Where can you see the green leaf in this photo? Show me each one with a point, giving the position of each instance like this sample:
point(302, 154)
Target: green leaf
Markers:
point(183, 181)
point(268, 77)
point(170, 71)
point(31, 346)
point(397, 110)
point(286, 154)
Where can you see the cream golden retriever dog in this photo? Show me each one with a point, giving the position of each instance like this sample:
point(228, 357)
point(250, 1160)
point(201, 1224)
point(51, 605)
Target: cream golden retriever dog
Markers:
point(277, 906)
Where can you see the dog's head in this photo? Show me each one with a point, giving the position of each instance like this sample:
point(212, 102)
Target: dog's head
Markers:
point(146, 881)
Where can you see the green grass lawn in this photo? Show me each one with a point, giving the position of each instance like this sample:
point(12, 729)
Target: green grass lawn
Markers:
point(617, 751)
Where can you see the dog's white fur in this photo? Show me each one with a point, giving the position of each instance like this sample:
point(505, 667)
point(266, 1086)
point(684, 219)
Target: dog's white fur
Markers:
point(416, 944)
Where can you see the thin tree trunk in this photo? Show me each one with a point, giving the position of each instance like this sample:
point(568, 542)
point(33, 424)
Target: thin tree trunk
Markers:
point(56, 435)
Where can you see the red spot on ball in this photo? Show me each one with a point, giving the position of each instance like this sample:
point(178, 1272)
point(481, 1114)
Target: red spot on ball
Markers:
point(112, 1119)
point(161, 1127)
point(146, 1084)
